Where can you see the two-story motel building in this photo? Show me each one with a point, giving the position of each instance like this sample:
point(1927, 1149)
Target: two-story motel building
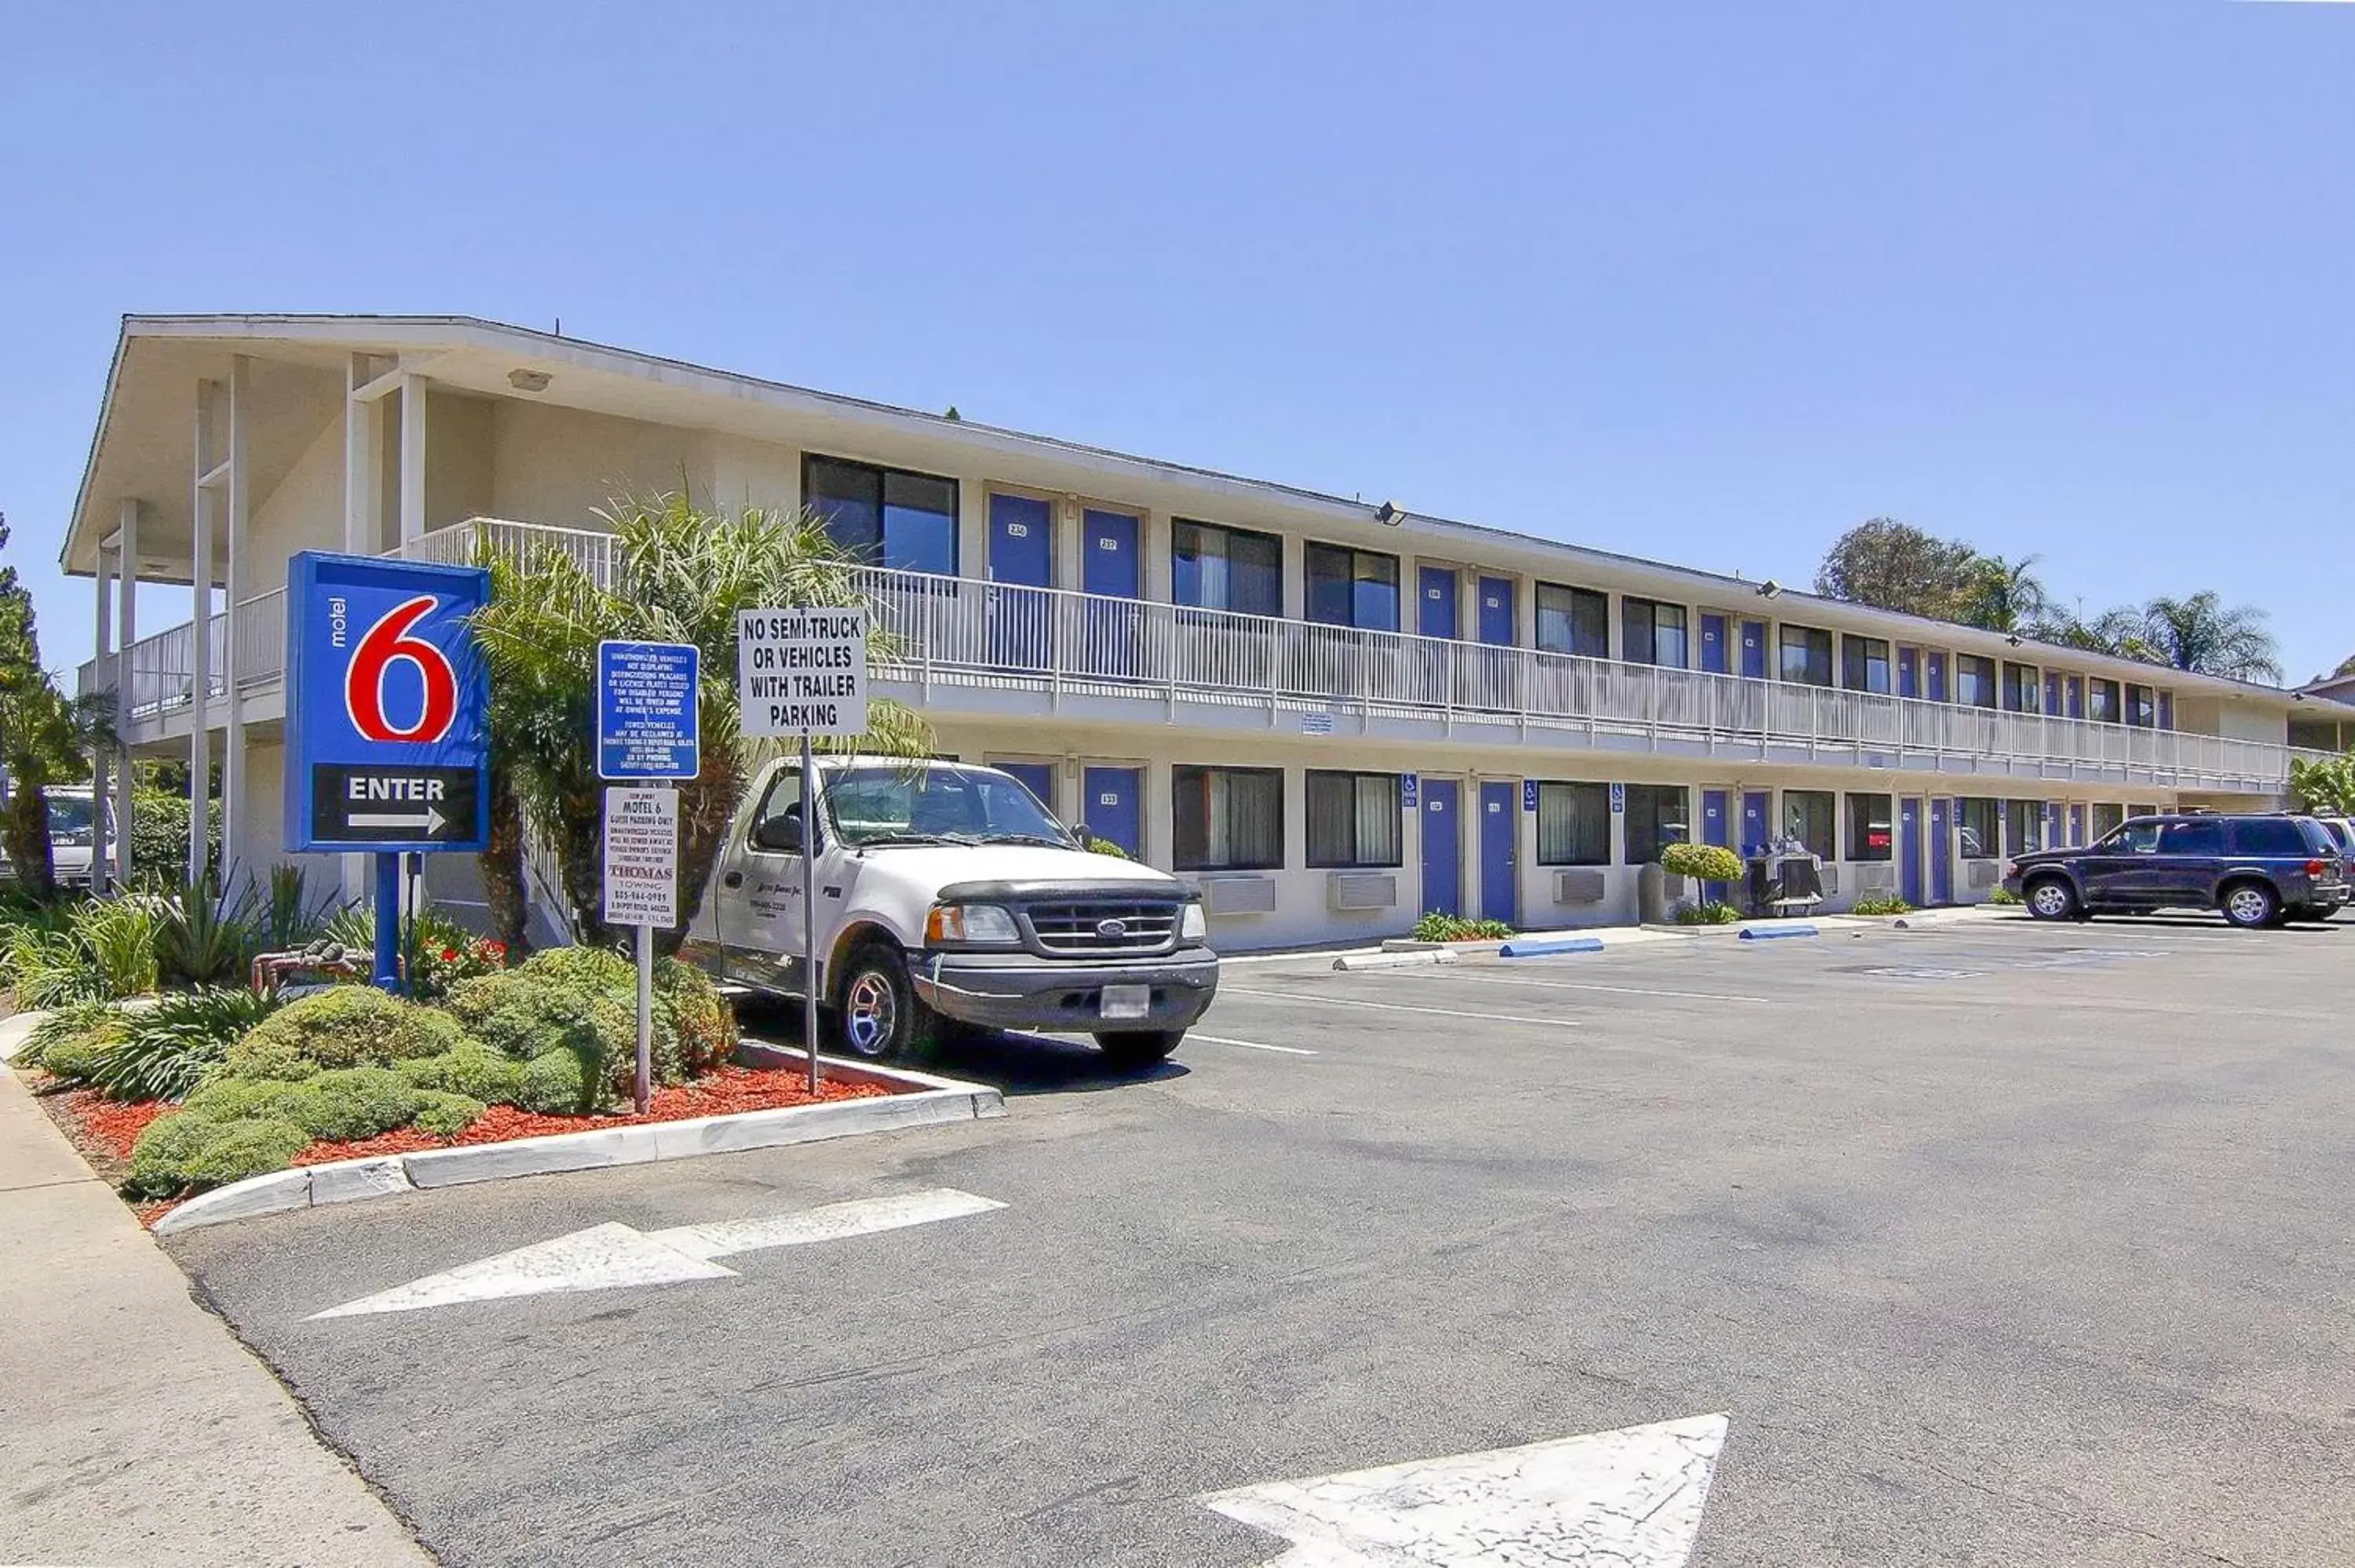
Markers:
point(1333, 714)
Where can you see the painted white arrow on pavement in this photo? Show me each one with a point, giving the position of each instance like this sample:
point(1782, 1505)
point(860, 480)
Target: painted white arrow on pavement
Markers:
point(1629, 1499)
point(609, 1256)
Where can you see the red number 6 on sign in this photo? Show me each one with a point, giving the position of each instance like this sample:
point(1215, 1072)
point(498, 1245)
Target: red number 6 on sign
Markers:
point(384, 644)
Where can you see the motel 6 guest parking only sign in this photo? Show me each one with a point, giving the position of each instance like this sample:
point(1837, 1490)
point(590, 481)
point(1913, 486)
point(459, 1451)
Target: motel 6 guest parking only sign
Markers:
point(386, 700)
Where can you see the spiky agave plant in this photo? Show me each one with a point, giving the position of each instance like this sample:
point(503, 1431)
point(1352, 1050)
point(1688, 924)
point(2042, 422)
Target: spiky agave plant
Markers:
point(680, 574)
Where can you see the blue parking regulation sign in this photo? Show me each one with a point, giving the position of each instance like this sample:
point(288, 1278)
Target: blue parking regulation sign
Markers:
point(647, 724)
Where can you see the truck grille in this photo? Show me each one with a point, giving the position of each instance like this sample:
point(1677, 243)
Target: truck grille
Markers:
point(1091, 931)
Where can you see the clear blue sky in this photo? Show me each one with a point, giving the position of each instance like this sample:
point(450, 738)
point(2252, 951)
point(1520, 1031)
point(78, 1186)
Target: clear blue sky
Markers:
point(1706, 280)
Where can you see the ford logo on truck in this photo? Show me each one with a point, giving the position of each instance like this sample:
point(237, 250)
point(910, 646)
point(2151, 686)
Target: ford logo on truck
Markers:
point(1112, 930)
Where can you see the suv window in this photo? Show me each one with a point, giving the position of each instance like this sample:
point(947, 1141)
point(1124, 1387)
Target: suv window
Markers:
point(2191, 838)
point(2270, 836)
point(2136, 838)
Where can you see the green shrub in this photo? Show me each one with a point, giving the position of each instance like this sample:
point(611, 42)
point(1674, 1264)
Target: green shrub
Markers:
point(87, 951)
point(1881, 904)
point(204, 938)
point(561, 1083)
point(471, 1069)
point(2002, 895)
point(601, 969)
point(187, 1153)
point(346, 1026)
point(76, 1054)
point(345, 1103)
point(236, 1099)
point(162, 1051)
point(1436, 926)
point(67, 1024)
point(425, 936)
point(584, 1001)
point(1715, 912)
point(1095, 845)
point(701, 1018)
point(160, 1159)
point(1702, 863)
point(446, 1114)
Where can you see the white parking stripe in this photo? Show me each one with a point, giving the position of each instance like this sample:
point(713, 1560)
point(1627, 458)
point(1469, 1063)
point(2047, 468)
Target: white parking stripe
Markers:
point(1396, 1007)
point(1487, 977)
point(1248, 1045)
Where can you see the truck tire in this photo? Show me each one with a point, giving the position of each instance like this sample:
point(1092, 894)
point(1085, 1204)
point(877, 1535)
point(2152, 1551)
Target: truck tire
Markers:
point(879, 1016)
point(2250, 904)
point(2050, 897)
point(1134, 1048)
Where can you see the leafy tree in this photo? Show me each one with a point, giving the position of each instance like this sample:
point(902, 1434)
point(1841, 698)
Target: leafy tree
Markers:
point(2345, 666)
point(2006, 595)
point(1896, 566)
point(2199, 634)
point(2327, 786)
point(45, 738)
point(2119, 631)
point(679, 575)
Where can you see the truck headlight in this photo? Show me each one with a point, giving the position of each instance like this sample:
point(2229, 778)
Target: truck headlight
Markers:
point(1193, 925)
point(952, 924)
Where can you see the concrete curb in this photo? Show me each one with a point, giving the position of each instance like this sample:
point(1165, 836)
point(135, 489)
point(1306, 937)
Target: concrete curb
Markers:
point(1546, 946)
point(1766, 933)
point(925, 1100)
point(1421, 960)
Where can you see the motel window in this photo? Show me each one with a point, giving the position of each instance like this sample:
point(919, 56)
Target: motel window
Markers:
point(1574, 620)
point(907, 522)
point(1871, 828)
point(1864, 664)
point(2142, 707)
point(1651, 632)
point(1573, 824)
point(2020, 688)
point(2023, 826)
point(1806, 655)
point(2102, 702)
point(1228, 819)
point(1657, 816)
point(1807, 816)
point(2106, 820)
point(2304, 735)
point(1974, 681)
point(1981, 822)
point(1212, 567)
point(1353, 819)
point(1352, 588)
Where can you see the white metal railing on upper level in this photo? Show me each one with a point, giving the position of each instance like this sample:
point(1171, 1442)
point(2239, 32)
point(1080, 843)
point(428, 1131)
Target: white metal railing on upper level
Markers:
point(963, 631)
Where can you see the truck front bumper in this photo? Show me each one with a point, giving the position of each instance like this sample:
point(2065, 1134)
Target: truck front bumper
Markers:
point(1017, 990)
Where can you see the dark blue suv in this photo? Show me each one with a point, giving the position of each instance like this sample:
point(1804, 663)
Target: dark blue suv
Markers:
point(2256, 870)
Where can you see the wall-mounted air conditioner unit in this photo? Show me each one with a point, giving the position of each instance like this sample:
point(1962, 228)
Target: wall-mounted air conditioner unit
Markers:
point(1238, 895)
point(1352, 890)
point(1581, 886)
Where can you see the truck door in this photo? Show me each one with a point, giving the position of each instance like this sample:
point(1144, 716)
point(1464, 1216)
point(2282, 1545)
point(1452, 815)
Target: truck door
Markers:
point(759, 900)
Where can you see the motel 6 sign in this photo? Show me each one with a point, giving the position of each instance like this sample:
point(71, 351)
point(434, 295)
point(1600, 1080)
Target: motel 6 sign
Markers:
point(386, 703)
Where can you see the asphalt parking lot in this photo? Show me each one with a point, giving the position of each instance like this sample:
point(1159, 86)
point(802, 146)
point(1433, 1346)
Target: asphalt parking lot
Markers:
point(1994, 1242)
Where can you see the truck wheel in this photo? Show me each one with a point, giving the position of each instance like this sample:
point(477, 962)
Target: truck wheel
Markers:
point(2250, 904)
point(881, 1017)
point(1131, 1048)
point(2052, 898)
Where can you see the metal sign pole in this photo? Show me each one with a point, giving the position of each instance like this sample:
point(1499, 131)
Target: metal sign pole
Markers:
point(645, 1079)
point(809, 910)
point(388, 921)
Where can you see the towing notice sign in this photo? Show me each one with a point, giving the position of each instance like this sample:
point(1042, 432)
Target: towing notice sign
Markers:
point(802, 672)
point(640, 857)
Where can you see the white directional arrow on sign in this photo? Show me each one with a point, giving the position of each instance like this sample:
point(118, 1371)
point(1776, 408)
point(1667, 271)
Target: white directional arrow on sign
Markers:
point(607, 1256)
point(1629, 1499)
point(430, 819)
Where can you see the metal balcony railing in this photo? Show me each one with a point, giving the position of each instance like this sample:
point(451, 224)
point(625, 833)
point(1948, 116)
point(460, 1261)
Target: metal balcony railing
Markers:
point(961, 631)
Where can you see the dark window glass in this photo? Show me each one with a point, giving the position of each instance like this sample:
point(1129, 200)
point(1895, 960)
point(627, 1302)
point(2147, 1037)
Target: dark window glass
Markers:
point(904, 521)
point(2271, 836)
point(2313, 737)
point(2205, 838)
point(2102, 702)
point(1574, 620)
point(1656, 817)
point(1353, 819)
point(1212, 567)
point(1352, 588)
point(2137, 837)
point(1228, 819)
point(2142, 707)
point(1806, 655)
point(2106, 820)
point(1807, 816)
point(1651, 632)
point(2023, 826)
point(1974, 681)
point(1573, 824)
point(1982, 827)
point(1871, 828)
point(1864, 664)
point(2019, 689)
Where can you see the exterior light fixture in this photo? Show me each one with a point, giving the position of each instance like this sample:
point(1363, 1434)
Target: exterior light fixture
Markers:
point(528, 380)
point(1770, 588)
point(2013, 639)
point(1390, 514)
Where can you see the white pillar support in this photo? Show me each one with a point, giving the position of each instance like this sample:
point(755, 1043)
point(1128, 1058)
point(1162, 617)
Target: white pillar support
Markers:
point(238, 500)
point(200, 630)
point(412, 459)
point(363, 462)
point(126, 637)
point(104, 669)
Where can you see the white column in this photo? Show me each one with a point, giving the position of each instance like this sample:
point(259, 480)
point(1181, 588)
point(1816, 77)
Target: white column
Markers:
point(200, 605)
point(126, 638)
point(363, 463)
point(412, 458)
point(104, 669)
point(238, 490)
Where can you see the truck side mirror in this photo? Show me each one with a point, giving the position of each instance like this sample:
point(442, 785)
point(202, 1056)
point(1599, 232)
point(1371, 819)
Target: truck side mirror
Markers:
point(778, 835)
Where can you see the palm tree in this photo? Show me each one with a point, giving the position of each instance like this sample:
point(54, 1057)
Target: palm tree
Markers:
point(679, 575)
point(2006, 595)
point(2199, 634)
point(2118, 631)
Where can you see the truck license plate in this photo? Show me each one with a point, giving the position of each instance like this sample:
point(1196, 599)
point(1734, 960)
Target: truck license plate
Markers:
point(1126, 1001)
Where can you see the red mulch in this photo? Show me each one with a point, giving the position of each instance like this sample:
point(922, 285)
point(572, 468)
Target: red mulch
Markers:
point(723, 1091)
point(111, 1126)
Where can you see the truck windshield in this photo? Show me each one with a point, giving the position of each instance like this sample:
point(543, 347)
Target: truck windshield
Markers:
point(937, 805)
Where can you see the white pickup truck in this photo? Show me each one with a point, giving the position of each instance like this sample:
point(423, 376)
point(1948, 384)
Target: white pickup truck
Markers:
point(947, 895)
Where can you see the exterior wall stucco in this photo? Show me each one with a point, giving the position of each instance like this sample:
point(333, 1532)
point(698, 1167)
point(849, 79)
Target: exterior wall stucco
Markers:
point(559, 466)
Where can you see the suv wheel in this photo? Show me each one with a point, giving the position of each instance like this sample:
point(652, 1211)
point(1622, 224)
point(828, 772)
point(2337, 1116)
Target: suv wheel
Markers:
point(881, 1019)
point(1134, 1048)
point(2052, 898)
point(2250, 904)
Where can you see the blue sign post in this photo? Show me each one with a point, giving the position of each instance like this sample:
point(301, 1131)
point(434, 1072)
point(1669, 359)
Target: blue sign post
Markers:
point(647, 718)
point(388, 701)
